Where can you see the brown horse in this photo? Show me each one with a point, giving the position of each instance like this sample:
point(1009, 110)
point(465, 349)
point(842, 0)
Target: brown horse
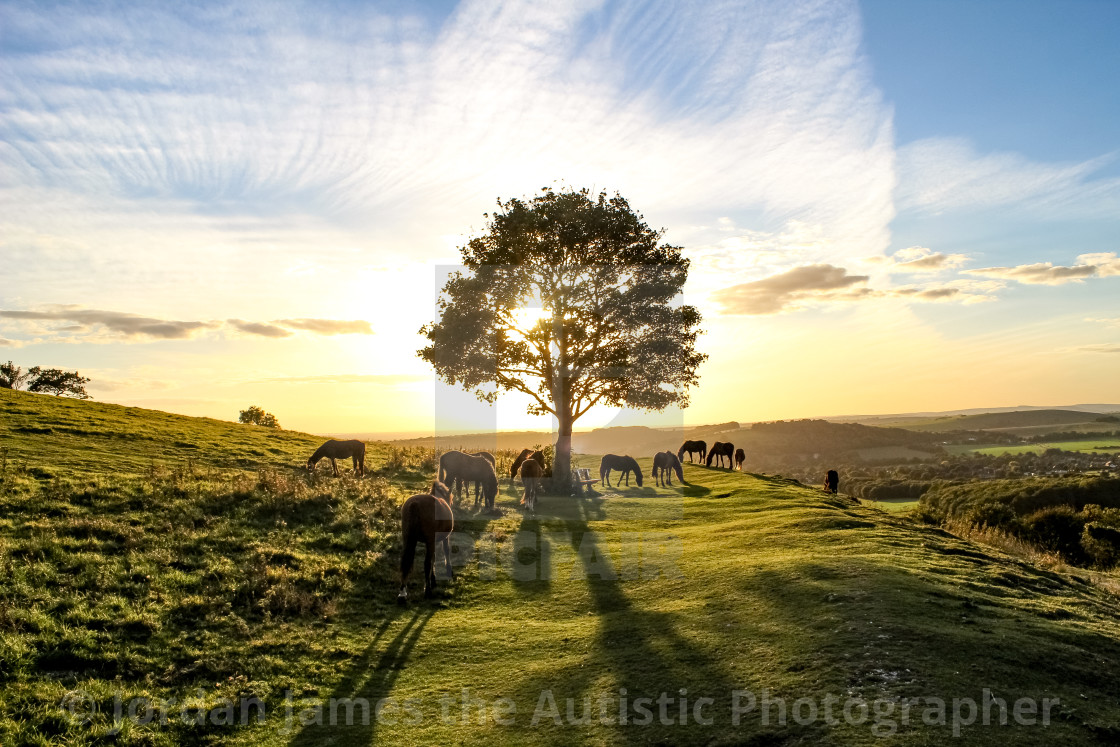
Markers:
point(719, 451)
point(691, 447)
point(531, 474)
point(665, 463)
point(515, 468)
point(427, 518)
point(478, 485)
point(624, 464)
point(457, 467)
point(740, 457)
point(332, 450)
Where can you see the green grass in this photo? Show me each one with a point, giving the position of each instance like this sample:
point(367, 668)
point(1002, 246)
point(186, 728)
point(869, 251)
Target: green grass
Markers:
point(138, 573)
point(1095, 446)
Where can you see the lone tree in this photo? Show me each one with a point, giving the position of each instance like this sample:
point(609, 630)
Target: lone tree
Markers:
point(256, 416)
point(57, 382)
point(607, 330)
point(11, 376)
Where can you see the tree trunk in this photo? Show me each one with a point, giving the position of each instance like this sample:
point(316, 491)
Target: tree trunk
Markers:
point(562, 457)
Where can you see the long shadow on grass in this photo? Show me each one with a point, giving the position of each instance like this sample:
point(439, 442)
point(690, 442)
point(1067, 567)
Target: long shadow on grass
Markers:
point(639, 653)
point(370, 678)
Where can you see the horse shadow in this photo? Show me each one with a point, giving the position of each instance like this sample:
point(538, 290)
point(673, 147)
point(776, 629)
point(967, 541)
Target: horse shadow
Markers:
point(644, 651)
point(371, 677)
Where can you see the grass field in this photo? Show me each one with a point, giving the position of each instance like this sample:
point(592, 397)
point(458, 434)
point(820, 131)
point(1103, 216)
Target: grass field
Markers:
point(1105, 446)
point(128, 572)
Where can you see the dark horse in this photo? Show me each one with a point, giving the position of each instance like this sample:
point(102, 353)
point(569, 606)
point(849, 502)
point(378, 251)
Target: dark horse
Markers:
point(427, 518)
point(665, 463)
point(531, 475)
point(721, 450)
point(457, 468)
point(340, 450)
point(536, 456)
point(832, 481)
point(691, 447)
point(623, 464)
point(740, 457)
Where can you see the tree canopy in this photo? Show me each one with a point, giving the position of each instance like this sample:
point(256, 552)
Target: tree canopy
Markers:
point(574, 301)
point(257, 416)
point(57, 382)
point(11, 376)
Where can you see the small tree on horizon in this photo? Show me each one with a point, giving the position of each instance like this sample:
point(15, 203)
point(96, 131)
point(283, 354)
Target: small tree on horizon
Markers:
point(11, 376)
point(57, 382)
point(608, 331)
point(257, 416)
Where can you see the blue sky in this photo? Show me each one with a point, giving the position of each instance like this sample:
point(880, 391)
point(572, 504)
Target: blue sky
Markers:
point(204, 206)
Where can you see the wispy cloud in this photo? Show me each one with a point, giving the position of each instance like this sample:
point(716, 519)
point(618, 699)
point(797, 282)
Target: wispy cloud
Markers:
point(919, 259)
point(939, 174)
point(1102, 264)
point(328, 326)
point(820, 284)
point(258, 328)
point(1101, 348)
point(125, 324)
point(85, 323)
point(382, 379)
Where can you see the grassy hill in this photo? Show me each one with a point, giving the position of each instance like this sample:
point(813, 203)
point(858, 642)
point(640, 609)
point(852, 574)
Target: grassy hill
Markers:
point(139, 568)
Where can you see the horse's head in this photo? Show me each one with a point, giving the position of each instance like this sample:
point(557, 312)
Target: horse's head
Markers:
point(310, 466)
point(439, 490)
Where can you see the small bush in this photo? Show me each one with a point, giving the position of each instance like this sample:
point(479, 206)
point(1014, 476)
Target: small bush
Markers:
point(1102, 544)
point(1057, 529)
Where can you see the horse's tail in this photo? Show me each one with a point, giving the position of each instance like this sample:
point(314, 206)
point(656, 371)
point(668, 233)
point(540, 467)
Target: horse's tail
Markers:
point(653, 469)
point(410, 523)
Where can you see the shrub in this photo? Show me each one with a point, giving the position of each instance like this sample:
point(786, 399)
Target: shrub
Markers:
point(1101, 544)
point(1059, 529)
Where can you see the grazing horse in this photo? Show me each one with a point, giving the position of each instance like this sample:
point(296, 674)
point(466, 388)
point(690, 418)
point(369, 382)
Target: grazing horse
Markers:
point(665, 463)
point(478, 485)
point(531, 474)
point(332, 450)
point(536, 456)
point(623, 464)
point(740, 457)
point(832, 481)
point(427, 518)
point(691, 447)
point(457, 467)
point(719, 451)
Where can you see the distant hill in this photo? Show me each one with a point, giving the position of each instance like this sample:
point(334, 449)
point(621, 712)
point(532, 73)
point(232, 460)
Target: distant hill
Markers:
point(778, 439)
point(1032, 419)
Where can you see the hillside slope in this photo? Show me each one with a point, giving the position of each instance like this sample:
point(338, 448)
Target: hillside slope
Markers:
point(216, 584)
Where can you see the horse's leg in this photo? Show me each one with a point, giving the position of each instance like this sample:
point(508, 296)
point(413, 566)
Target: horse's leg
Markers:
point(407, 555)
point(334, 466)
point(429, 566)
point(447, 556)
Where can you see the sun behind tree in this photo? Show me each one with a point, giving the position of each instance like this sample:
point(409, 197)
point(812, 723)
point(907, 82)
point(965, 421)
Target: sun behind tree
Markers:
point(608, 333)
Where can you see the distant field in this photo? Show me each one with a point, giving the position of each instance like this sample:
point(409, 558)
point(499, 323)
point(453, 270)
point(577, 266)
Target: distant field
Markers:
point(1026, 419)
point(1106, 446)
point(897, 505)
